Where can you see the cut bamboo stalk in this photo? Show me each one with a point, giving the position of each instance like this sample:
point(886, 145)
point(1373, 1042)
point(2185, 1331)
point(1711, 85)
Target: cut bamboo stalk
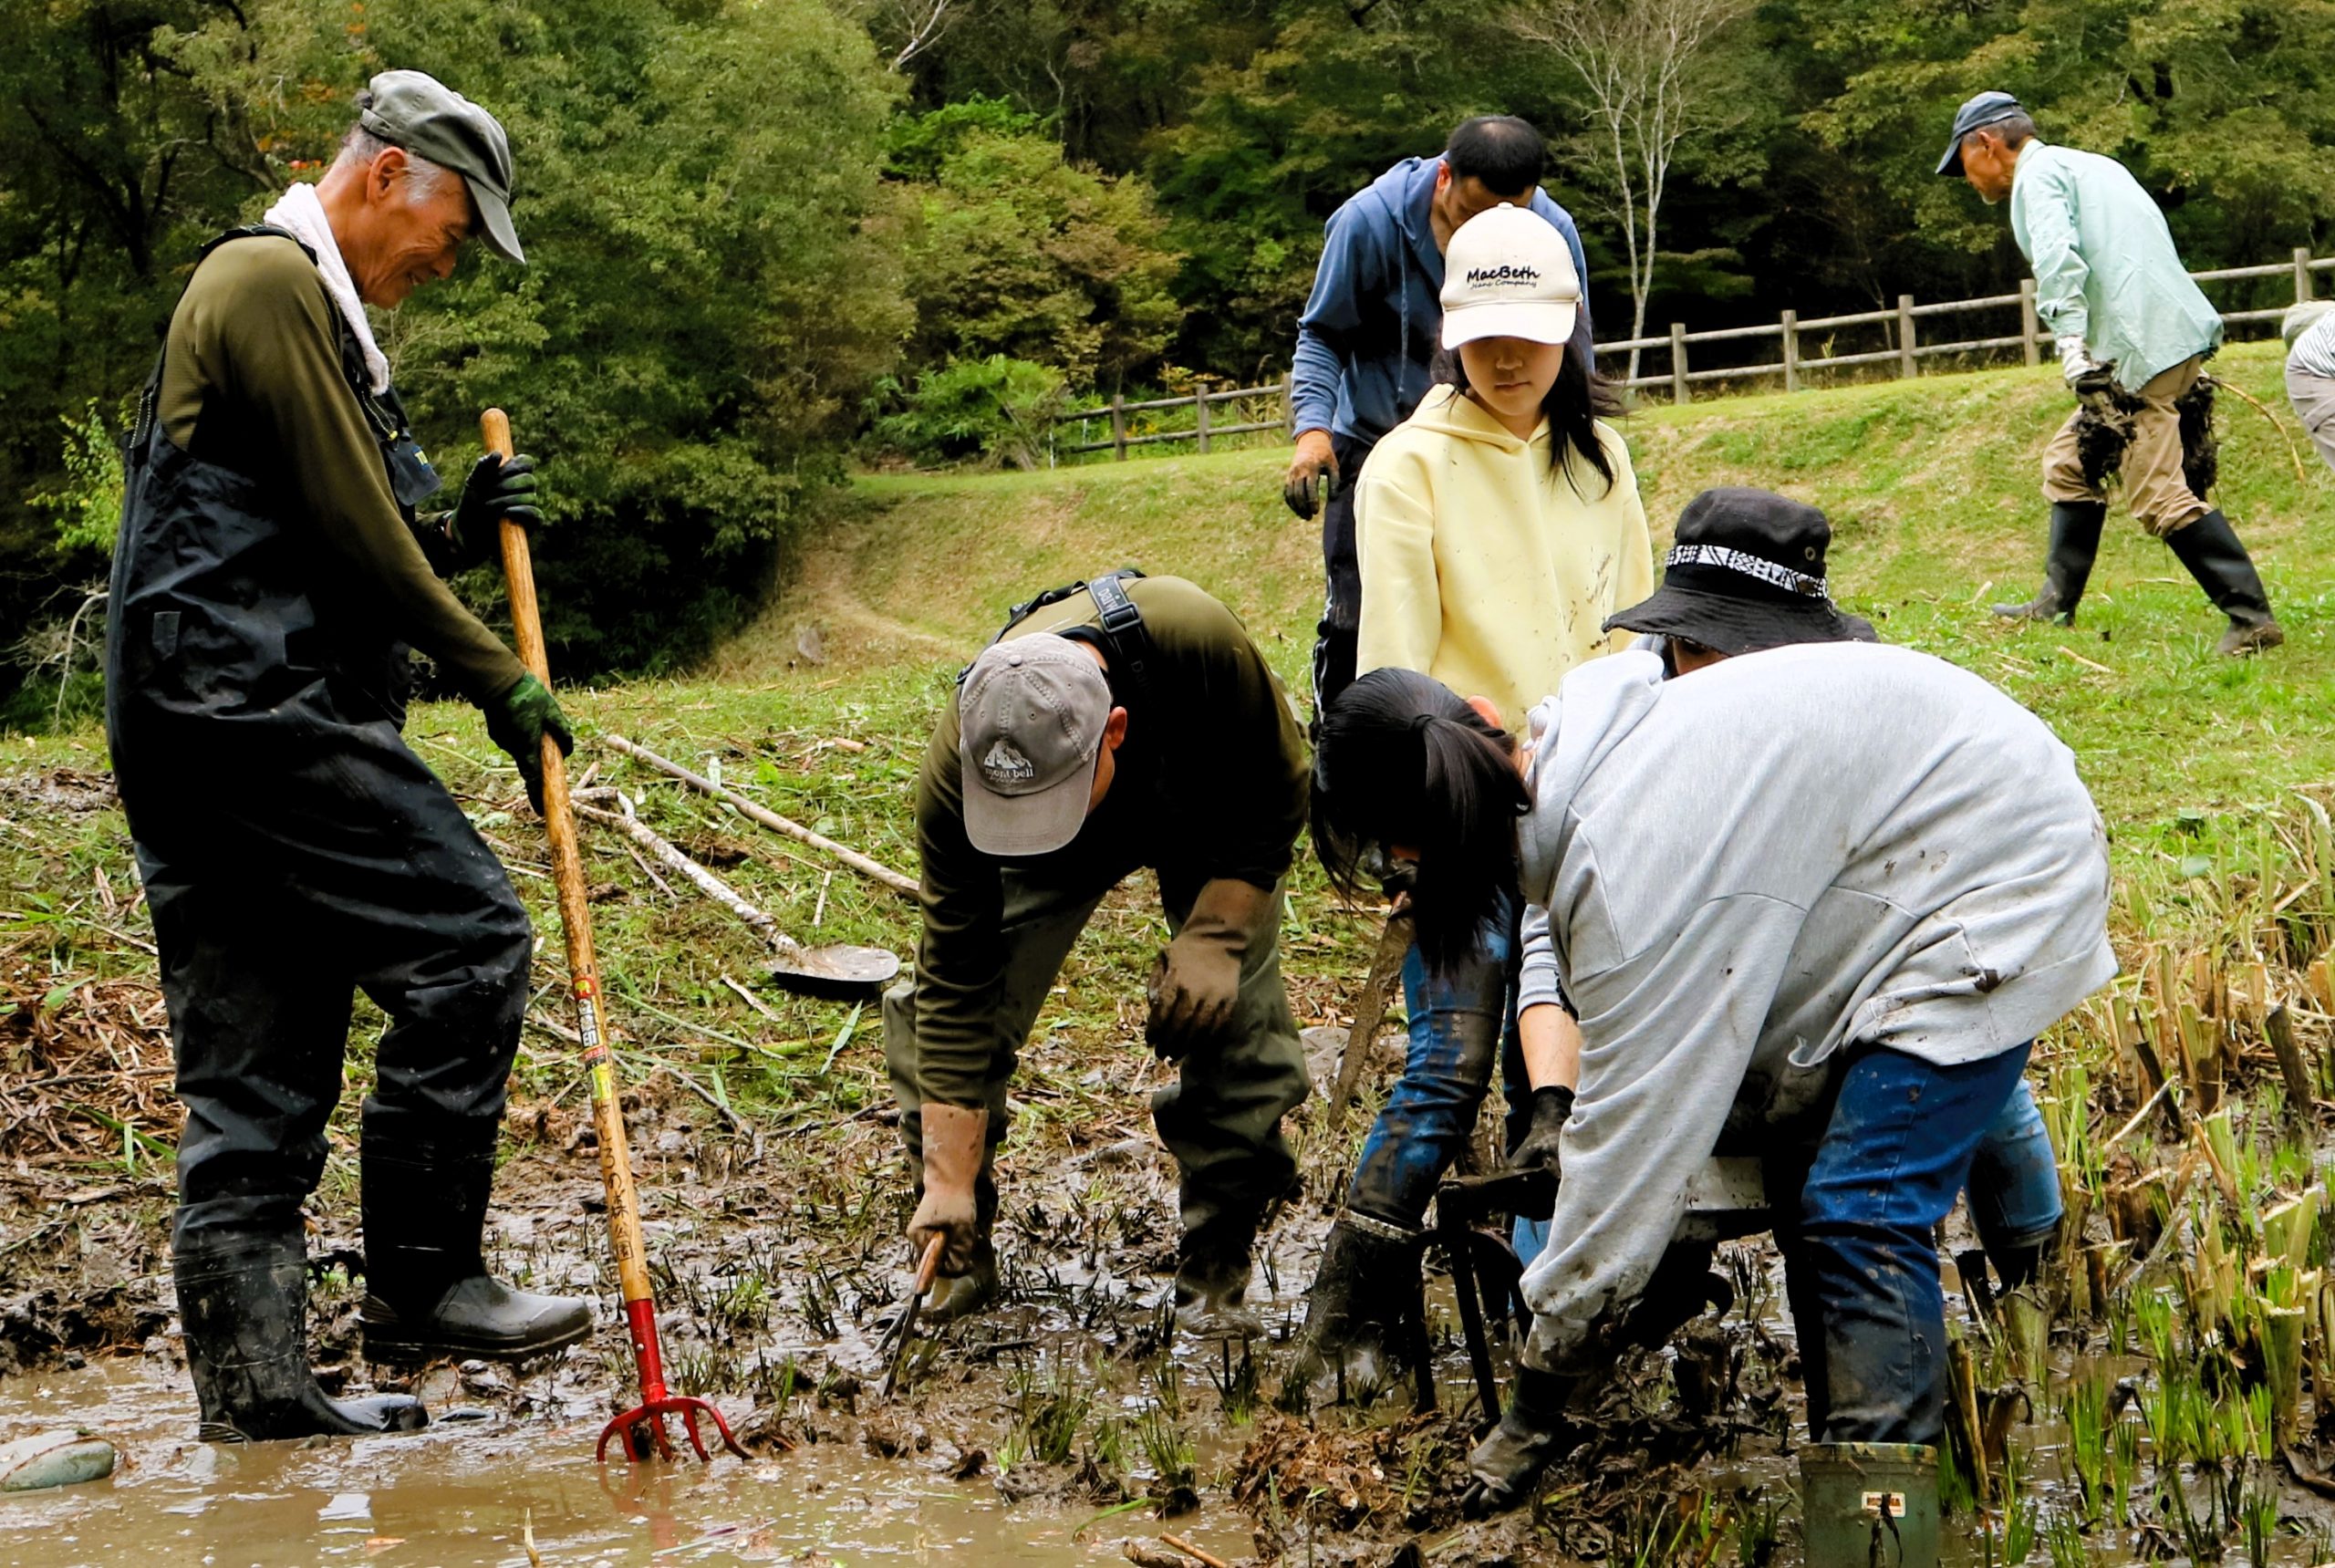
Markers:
point(1962, 1379)
point(2302, 1091)
point(755, 811)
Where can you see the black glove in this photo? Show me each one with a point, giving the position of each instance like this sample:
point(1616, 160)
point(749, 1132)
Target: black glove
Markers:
point(1537, 1149)
point(519, 720)
point(496, 489)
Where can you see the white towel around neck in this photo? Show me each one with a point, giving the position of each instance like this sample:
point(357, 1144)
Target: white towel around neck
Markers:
point(303, 215)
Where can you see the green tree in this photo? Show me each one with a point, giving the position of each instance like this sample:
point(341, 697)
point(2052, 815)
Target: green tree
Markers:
point(1020, 251)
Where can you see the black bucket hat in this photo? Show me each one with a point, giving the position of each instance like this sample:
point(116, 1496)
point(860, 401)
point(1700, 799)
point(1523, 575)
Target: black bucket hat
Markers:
point(1746, 572)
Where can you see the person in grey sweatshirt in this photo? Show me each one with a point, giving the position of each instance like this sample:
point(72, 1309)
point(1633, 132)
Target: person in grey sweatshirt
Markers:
point(1826, 894)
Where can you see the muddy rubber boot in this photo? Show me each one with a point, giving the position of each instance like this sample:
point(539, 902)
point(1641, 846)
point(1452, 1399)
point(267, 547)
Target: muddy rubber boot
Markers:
point(1212, 1272)
point(2067, 566)
point(2215, 556)
point(427, 1291)
point(244, 1305)
point(1534, 1433)
point(974, 1291)
point(1868, 1505)
point(1363, 1310)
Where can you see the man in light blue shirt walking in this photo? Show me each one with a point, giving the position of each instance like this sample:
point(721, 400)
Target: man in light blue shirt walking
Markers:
point(2133, 333)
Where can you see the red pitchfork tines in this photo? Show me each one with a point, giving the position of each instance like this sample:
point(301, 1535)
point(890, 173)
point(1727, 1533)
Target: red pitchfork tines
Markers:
point(642, 1428)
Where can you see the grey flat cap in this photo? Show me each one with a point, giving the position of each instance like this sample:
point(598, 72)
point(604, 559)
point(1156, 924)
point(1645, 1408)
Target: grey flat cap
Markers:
point(1981, 111)
point(432, 120)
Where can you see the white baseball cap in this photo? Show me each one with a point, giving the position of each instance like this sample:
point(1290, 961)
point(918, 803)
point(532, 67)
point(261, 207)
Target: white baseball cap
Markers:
point(1509, 273)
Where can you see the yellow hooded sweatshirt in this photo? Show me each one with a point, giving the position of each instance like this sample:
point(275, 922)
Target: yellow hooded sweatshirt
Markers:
point(1484, 567)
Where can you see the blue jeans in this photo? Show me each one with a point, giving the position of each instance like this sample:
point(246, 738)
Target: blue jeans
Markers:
point(1461, 1024)
point(1857, 1219)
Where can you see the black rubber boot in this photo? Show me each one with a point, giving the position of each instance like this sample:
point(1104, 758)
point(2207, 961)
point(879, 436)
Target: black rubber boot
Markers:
point(1212, 1271)
point(1533, 1434)
point(1362, 1313)
point(244, 1304)
point(2075, 543)
point(2212, 551)
point(427, 1291)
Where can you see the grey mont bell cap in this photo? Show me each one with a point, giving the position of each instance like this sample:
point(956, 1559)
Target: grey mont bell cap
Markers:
point(1030, 720)
point(1979, 112)
point(431, 120)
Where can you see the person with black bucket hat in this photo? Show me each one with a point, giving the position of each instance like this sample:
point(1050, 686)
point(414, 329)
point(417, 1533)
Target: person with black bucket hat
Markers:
point(2135, 332)
point(273, 574)
point(1817, 890)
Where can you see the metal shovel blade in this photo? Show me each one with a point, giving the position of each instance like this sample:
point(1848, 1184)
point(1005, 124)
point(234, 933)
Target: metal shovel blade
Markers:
point(839, 969)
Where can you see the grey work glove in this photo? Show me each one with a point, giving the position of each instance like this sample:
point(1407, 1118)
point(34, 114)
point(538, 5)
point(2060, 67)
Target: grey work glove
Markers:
point(955, 1140)
point(1196, 984)
point(518, 721)
point(1537, 1150)
point(1312, 476)
point(495, 489)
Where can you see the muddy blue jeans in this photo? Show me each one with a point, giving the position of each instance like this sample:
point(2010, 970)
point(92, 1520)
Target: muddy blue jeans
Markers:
point(1461, 1026)
point(1857, 1219)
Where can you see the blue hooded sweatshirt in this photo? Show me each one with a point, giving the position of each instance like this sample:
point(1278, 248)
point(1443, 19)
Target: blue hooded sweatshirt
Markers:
point(1376, 316)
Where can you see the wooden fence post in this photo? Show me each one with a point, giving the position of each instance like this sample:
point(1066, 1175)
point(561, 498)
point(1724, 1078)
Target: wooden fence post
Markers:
point(1905, 367)
point(2302, 273)
point(1679, 392)
point(1289, 404)
point(1199, 407)
point(2030, 347)
point(1791, 350)
point(1118, 427)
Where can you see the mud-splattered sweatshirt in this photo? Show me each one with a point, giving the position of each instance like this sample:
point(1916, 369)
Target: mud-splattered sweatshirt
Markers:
point(1750, 866)
point(1485, 566)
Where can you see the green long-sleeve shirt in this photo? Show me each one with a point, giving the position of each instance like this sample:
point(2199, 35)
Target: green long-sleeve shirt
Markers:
point(252, 380)
point(2105, 269)
point(1211, 782)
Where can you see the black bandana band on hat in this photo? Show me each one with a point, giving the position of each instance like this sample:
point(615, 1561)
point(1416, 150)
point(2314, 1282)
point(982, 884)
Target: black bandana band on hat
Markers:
point(1750, 565)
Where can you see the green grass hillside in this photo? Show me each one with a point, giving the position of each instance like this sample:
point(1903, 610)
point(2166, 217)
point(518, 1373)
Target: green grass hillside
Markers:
point(1931, 489)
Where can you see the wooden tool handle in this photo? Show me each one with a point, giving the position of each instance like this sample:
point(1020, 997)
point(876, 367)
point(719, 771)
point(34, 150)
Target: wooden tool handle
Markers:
point(929, 1268)
point(575, 910)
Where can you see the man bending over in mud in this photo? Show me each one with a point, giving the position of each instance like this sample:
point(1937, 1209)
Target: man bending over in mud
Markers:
point(1907, 883)
point(1124, 724)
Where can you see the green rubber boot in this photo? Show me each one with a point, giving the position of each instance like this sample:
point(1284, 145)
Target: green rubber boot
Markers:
point(1868, 1505)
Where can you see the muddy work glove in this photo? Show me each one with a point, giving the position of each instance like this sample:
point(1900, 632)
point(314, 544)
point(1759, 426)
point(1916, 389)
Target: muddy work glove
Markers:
point(955, 1139)
point(1313, 475)
point(1196, 985)
point(1537, 1150)
point(518, 721)
point(496, 489)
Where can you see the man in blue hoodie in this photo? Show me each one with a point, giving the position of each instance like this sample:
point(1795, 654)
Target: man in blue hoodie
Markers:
point(1370, 329)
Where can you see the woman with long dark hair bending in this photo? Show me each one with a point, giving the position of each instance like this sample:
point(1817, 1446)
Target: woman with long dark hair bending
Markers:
point(1498, 527)
point(1827, 894)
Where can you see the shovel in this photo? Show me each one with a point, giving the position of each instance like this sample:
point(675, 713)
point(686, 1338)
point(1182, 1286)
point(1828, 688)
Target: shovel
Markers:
point(643, 1427)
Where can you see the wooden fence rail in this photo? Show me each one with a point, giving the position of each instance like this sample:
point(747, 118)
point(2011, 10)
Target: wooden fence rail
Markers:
point(1905, 352)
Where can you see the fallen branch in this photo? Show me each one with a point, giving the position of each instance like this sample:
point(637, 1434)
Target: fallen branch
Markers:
point(2276, 423)
point(754, 811)
point(706, 882)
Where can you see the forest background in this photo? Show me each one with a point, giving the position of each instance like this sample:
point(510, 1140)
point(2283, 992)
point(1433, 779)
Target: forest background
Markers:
point(772, 239)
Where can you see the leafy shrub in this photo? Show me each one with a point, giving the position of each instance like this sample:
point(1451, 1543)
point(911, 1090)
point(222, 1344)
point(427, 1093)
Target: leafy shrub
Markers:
point(998, 409)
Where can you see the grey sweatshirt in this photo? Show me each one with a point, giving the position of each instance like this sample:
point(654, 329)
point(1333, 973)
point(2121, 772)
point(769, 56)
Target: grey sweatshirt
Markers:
point(1738, 871)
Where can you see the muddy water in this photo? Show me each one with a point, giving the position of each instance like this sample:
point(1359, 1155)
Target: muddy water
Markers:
point(465, 1494)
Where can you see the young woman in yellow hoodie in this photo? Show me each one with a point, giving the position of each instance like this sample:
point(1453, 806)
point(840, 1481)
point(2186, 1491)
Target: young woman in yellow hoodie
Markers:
point(1497, 527)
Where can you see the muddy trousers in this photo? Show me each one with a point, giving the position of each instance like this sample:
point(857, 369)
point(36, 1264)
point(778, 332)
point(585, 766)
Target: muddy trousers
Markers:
point(1221, 1118)
point(282, 882)
point(1461, 1024)
point(1335, 638)
point(1857, 1217)
point(2154, 485)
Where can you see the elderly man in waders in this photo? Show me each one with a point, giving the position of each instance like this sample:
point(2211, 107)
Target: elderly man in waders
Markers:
point(271, 577)
point(1126, 723)
point(2135, 333)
